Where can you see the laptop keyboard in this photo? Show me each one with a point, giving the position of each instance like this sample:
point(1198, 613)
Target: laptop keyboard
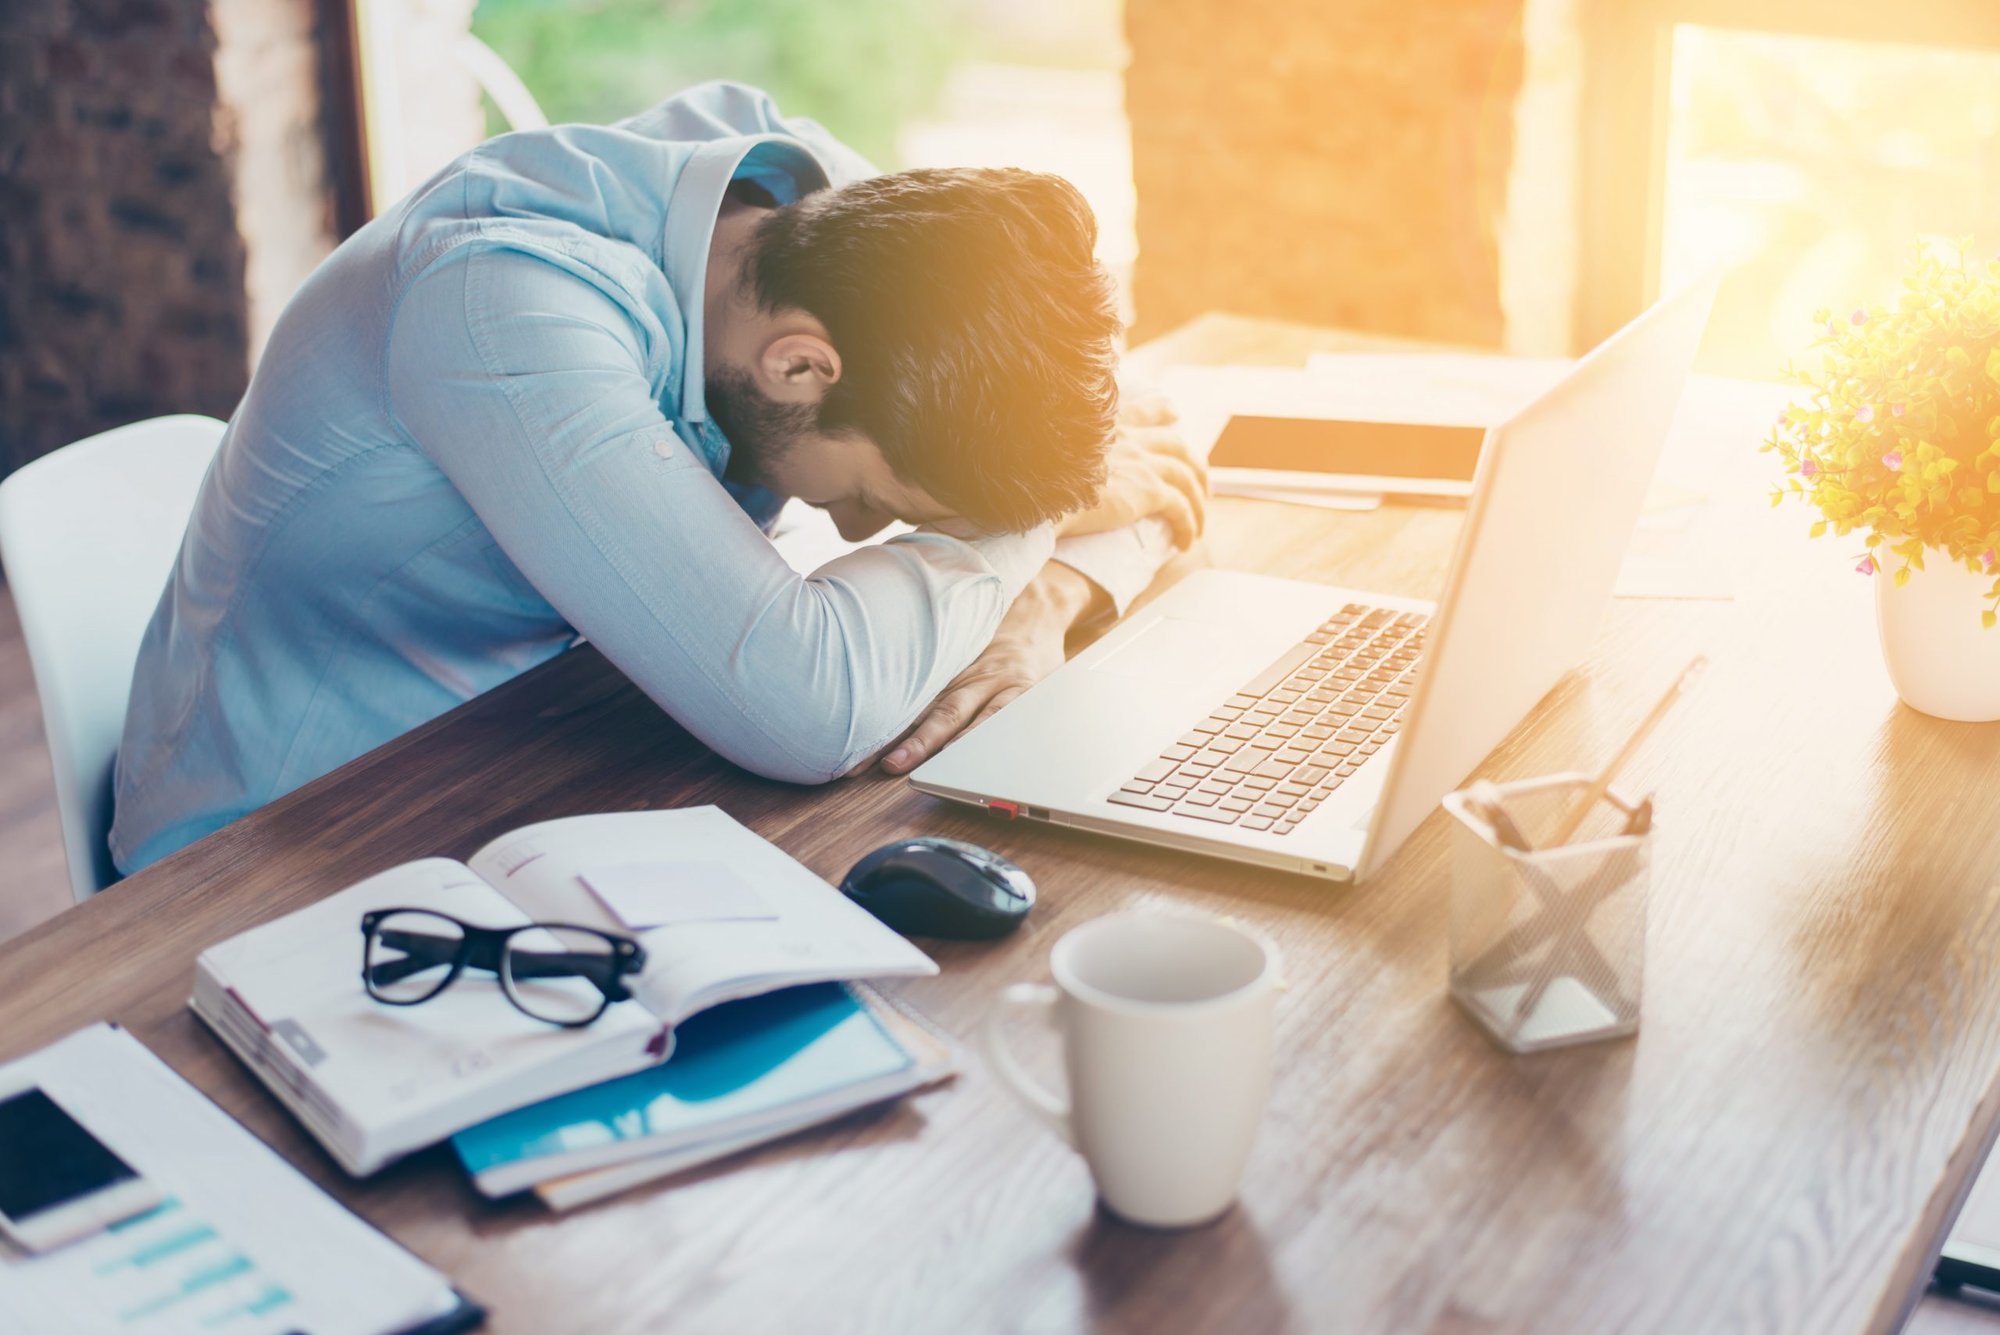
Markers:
point(1272, 752)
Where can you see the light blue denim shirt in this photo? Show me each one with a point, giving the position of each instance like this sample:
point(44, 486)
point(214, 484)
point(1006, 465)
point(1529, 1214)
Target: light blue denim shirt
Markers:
point(477, 431)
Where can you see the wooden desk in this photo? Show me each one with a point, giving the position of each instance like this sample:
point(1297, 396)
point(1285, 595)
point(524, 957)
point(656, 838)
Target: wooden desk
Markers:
point(1780, 1148)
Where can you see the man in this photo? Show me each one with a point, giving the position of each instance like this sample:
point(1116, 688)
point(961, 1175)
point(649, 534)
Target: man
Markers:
point(566, 386)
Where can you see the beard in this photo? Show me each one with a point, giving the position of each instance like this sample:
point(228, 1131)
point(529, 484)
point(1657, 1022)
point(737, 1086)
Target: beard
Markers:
point(759, 428)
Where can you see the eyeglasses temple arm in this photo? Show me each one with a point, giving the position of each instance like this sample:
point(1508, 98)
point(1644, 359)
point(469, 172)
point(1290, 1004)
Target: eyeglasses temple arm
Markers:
point(421, 951)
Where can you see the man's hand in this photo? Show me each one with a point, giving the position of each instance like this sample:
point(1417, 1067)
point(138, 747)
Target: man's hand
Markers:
point(1150, 471)
point(1027, 647)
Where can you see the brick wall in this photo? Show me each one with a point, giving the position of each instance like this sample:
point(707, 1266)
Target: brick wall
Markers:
point(1339, 162)
point(127, 177)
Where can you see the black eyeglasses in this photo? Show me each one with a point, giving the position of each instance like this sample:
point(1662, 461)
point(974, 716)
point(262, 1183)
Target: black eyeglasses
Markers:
point(553, 971)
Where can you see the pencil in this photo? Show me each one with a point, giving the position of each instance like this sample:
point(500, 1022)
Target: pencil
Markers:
point(1595, 793)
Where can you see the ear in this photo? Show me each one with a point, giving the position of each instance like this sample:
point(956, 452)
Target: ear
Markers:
point(798, 367)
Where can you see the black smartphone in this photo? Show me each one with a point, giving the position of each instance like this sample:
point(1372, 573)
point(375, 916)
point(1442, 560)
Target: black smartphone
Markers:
point(58, 1182)
point(1361, 456)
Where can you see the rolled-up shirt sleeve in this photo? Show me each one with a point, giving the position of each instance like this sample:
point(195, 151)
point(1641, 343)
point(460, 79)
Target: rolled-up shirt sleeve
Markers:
point(534, 391)
point(1123, 562)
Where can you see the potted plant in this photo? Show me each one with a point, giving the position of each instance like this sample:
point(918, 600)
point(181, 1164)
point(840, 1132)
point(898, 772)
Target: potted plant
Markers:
point(1899, 440)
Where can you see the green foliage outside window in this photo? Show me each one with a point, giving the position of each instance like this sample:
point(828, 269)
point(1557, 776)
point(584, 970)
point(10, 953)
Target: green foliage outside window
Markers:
point(860, 67)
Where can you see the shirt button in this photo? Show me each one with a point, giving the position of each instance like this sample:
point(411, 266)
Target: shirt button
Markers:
point(664, 448)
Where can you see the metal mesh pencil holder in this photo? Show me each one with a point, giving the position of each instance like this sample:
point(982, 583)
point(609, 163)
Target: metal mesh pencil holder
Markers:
point(1548, 945)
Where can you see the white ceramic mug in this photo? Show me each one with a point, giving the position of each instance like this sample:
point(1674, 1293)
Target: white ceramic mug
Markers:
point(1166, 1022)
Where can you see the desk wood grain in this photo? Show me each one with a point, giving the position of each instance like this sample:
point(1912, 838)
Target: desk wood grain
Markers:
point(1780, 1148)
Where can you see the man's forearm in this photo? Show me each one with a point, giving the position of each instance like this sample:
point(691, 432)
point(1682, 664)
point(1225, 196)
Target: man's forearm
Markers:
point(1061, 597)
point(1027, 646)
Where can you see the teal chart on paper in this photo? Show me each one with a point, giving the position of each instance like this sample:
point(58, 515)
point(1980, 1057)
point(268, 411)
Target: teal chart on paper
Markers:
point(171, 1269)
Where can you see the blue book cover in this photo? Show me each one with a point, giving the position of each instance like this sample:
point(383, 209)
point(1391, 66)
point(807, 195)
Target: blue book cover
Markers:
point(732, 1066)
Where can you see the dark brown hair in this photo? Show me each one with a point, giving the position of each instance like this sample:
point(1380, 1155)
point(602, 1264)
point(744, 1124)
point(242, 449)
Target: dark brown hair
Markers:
point(977, 335)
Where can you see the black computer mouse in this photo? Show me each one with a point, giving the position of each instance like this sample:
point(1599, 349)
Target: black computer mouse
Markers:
point(941, 887)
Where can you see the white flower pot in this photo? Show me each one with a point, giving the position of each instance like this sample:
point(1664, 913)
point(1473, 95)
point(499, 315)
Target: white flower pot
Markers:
point(1943, 661)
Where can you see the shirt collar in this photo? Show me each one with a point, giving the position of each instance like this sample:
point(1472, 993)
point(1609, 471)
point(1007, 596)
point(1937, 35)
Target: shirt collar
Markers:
point(691, 213)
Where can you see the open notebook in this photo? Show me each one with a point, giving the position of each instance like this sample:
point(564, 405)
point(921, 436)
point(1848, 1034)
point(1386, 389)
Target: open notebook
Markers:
point(721, 913)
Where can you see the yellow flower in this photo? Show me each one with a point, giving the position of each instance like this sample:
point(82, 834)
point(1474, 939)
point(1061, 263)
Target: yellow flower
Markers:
point(1902, 419)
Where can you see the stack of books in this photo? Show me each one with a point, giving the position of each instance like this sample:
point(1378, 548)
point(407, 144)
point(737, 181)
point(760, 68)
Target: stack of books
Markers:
point(742, 1074)
point(746, 1023)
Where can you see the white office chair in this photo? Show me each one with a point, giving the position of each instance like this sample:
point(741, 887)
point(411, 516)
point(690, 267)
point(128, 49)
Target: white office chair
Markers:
point(88, 536)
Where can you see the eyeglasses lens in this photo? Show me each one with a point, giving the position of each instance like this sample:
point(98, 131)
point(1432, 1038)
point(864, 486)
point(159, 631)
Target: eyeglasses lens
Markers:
point(553, 973)
point(410, 955)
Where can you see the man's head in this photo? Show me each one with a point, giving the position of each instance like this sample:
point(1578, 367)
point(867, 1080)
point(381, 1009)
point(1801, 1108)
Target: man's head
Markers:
point(929, 343)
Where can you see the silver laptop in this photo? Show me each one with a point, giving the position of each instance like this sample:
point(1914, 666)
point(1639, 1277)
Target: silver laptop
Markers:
point(1313, 728)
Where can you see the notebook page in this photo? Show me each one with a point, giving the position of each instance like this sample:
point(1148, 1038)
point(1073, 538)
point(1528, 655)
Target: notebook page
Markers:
point(242, 1243)
point(805, 930)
